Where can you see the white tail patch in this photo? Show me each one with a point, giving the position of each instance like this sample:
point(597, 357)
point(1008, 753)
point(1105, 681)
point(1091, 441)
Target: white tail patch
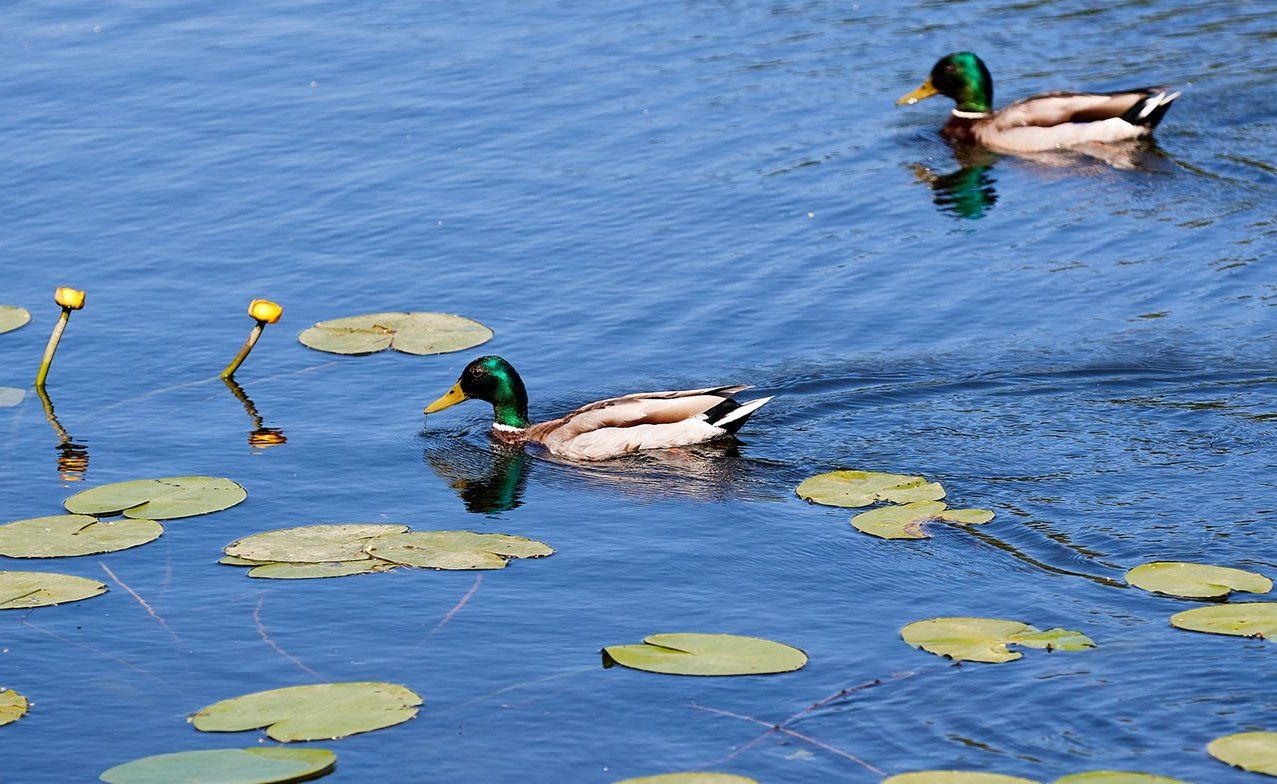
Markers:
point(1150, 104)
point(745, 410)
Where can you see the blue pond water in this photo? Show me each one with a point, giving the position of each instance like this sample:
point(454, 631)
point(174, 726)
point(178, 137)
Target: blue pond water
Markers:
point(645, 196)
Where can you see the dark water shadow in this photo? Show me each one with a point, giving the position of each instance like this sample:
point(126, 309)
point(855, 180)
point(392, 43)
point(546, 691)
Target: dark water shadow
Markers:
point(491, 478)
point(969, 193)
point(73, 456)
point(260, 436)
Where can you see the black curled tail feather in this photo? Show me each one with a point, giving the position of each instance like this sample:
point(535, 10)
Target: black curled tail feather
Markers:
point(1150, 110)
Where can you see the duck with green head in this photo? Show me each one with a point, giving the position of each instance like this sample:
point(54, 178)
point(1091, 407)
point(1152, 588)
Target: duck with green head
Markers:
point(1047, 121)
point(605, 429)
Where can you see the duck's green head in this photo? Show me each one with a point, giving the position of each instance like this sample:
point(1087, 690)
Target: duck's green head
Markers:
point(963, 77)
point(494, 380)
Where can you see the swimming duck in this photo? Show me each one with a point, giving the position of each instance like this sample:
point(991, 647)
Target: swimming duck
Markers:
point(1046, 121)
point(608, 428)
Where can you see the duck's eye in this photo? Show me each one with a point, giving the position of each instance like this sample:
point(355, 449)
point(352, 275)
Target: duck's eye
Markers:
point(948, 68)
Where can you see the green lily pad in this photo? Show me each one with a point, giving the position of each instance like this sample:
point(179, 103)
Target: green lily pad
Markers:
point(232, 560)
point(1116, 777)
point(66, 535)
point(905, 522)
point(411, 333)
point(312, 543)
point(862, 488)
point(159, 499)
point(20, 590)
point(324, 711)
point(455, 549)
point(986, 639)
point(1252, 619)
point(11, 396)
point(706, 654)
point(691, 778)
point(12, 317)
point(224, 766)
point(13, 706)
point(1195, 581)
point(311, 571)
point(955, 777)
point(1253, 751)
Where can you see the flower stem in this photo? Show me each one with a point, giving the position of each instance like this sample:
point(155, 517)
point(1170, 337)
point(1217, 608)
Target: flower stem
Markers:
point(52, 347)
point(244, 351)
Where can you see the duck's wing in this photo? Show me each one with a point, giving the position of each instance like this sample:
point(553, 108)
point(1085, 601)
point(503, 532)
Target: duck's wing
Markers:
point(645, 420)
point(1062, 119)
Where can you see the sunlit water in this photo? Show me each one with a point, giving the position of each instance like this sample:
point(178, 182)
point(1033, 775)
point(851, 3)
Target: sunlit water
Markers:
point(644, 196)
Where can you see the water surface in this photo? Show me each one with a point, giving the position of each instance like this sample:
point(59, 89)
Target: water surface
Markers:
point(645, 196)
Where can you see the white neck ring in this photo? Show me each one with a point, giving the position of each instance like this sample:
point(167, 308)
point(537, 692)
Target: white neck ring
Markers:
point(969, 115)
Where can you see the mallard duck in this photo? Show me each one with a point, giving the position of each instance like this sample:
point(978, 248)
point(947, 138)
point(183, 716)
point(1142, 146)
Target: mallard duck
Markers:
point(609, 428)
point(1047, 121)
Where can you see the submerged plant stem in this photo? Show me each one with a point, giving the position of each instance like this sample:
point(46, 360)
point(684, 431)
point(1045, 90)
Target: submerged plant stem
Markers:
point(456, 608)
point(244, 350)
point(261, 632)
point(52, 348)
point(138, 598)
point(847, 755)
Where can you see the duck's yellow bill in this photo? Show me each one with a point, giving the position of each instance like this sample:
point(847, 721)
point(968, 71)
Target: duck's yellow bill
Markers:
point(453, 397)
point(925, 91)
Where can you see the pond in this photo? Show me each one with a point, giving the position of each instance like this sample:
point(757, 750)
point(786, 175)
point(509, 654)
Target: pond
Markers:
point(639, 196)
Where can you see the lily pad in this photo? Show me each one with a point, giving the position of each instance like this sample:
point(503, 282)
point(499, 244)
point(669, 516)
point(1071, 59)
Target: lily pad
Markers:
point(905, 522)
point(1116, 777)
point(13, 706)
point(986, 639)
point(312, 543)
point(411, 333)
point(455, 549)
point(310, 571)
point(231, 560)
point(1252, 619)
point(955, 777)
point(66, 535)
point(324, 711)
point(863, 488)
point(1195, 581)
point(691, 778)
point(159, 499)
point(225, 766)
point(20, 590)
point(1253, 751)
point(11, 396)
point(706, 654)
point(12, 317)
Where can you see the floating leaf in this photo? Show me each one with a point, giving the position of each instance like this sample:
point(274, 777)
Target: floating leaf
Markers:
point(1252, 619)
point(12, 317)
point(455, 549)
point(1116, 777)
point(159, 499)
point(11, 396)
point(411, 333)
point(310, 571)
point(1253, 751)
point(231, 560)
point(224, 766)
point(691, 778)
point(862, 488)
point(312, 543)
point(20, 590)
point(955, 777)
point(986, 639)
point(13, 706)
point(905, 522)
point(706, 654)
point(324, 711)
point(67, 535)
point(1195, 581)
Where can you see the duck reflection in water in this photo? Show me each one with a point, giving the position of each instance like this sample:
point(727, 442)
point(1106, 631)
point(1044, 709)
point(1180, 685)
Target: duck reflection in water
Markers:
point(968, 191)
point(260, 436)
point(73, 457)
point(488, 481)
point(491, 478)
